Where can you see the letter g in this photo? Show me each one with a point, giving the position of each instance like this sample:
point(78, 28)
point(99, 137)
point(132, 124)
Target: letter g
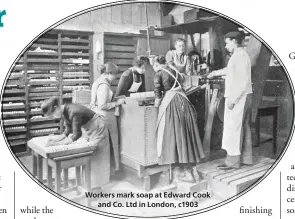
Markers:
point(292, 55)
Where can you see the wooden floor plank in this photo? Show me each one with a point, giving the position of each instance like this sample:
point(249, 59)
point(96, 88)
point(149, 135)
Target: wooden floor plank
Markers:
point(226, 184)
point(249, 173)
point(209, 165)
point(222, 172)
point(247, 180)
point(244, 169)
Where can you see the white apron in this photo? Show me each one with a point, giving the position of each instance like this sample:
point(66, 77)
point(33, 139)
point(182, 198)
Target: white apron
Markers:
point(135, 85)
point(162, 111)
point(110, 121)
point(232, 127)
point(181, 66)
point(104, 113)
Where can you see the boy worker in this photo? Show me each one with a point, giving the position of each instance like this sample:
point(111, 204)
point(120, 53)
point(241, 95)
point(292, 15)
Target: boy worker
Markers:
point(236, 138)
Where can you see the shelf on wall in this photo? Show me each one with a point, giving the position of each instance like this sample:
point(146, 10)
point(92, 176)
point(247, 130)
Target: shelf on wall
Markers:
point(40, 73)
point(44, 133)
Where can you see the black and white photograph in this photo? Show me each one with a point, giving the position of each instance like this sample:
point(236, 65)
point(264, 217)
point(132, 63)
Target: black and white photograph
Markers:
point(147, 109)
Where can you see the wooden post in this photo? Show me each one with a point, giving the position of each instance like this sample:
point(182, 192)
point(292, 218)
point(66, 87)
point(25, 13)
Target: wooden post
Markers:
point(34, 164)
point(27, 99)
point(275, 130)
point(216, 41)
point(91, 63)
point(186, 40)
point(88, 180)
point(49, 175)
point(260, 58)
point(209, 123)
point(60, 80)
point(221, 42)
point(253, 49)
point(40, 167)
point(57, 177)
point(212, 40)
point(193, 41)
point(66, 178)
point(201, 45)
point(78, 176)
point(207, 101)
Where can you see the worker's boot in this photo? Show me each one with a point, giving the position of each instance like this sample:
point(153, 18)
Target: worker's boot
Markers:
point(247, 160)
point(233, 161)
point(196, 174)
point(187, 176)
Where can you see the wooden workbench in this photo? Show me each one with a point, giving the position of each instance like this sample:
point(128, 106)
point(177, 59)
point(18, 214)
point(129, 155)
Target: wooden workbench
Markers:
point(100, 169)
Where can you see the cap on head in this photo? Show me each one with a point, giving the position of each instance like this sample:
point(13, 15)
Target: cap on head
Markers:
point(238, 35)
point(110, 68)
point(140, 60)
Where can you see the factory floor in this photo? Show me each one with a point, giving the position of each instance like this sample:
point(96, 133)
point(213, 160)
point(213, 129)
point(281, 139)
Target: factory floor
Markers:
point(119, 184)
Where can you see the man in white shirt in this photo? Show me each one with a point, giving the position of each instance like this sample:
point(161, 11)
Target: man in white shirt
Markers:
point(236, 138)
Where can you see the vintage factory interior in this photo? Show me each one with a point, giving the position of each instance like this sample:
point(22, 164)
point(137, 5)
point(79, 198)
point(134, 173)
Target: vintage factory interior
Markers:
point(66, 61)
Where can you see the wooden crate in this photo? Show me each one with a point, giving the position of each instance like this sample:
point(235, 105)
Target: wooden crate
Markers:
point(82, 96)
point(191, 15)
point(138, 133)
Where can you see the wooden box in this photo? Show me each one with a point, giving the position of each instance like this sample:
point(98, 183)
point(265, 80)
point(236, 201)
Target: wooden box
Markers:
point(81, 96)
point(167, 21)
point(203, 14)
point(138, 134)
point(190, 15)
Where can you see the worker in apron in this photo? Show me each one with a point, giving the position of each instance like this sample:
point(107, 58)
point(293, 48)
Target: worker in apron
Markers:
point(177, 60)
point(77, 118)
point(132, 80)
point(236, 138)
point(103, 103)
point(178, 140)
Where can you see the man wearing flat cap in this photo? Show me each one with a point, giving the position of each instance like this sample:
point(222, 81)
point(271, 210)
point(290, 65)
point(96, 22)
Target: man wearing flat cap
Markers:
point(236, 139)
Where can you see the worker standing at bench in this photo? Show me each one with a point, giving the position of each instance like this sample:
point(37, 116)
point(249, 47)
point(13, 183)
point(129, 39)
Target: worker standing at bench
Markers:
point(236, 138)
point(178, 139)
point(103, 103)
point(78, 117)
point(132, 80)
point(177, 60)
